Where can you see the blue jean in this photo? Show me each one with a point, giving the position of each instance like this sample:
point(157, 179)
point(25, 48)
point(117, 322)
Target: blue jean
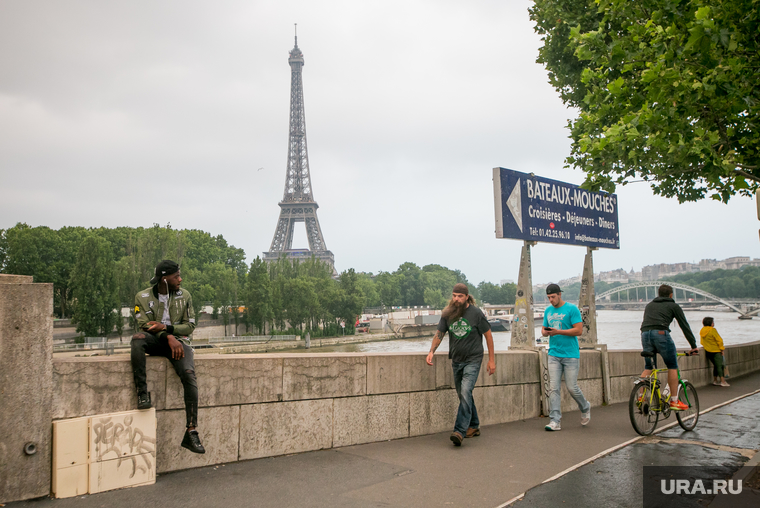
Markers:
point(659, 341)
point(465, 376)
point(570, 367)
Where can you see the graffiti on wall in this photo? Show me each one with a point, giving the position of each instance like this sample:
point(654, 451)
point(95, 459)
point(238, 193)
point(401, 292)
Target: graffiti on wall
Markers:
point(115, 437)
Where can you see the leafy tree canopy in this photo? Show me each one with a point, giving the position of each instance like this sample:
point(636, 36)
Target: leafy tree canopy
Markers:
point(666, 89)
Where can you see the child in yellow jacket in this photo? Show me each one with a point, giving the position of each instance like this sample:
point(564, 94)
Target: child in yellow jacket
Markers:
point(713, 344)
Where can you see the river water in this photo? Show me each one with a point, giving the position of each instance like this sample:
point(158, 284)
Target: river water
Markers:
point(619, 329)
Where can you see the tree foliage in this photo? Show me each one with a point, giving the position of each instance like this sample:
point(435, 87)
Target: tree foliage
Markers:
point(742, 283)
point(666, 89)
point(94, 287)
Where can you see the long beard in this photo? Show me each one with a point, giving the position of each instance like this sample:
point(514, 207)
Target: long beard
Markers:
point(454, 310)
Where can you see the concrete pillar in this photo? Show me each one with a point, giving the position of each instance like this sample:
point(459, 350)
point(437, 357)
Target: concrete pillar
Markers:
point(523, 326)
point(26, 387)
point(587, 302)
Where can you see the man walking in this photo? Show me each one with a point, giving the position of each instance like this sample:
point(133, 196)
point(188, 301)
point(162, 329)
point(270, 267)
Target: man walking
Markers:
point(466, 325)
point(563, 325)
point(164, 313)
point(655, 338)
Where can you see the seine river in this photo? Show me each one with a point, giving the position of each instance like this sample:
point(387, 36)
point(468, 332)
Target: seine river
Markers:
point(619, 329)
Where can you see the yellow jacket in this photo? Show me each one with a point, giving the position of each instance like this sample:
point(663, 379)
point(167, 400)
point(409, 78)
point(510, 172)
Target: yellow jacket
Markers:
point(710, 339)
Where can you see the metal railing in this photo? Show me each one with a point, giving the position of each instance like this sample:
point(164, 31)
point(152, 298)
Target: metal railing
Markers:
point(90, 343)
point(242, 339)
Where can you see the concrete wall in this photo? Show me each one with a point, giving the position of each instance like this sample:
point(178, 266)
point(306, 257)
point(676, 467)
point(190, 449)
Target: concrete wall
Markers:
point(266, 405)
point(26, 386)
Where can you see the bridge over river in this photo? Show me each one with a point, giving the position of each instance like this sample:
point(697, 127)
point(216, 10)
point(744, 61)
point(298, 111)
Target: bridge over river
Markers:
point(638, 294)
point(745, 307)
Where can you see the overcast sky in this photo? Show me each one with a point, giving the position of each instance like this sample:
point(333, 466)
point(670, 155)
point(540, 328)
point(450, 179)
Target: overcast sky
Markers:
point(129, 113)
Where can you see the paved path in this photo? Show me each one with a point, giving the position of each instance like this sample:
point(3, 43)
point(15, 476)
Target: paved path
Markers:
point(505, 462)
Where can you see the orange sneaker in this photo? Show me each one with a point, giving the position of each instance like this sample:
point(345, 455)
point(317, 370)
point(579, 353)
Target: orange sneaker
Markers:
point(678, 406)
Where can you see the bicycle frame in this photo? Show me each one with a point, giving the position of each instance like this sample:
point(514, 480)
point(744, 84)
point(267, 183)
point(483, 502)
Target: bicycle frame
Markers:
point(653, 376)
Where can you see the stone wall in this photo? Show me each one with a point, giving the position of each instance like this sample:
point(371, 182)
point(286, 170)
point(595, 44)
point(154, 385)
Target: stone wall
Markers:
point(26, 365)
point(266, 405)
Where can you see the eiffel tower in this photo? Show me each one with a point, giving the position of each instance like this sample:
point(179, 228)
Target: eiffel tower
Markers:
point(298, 203)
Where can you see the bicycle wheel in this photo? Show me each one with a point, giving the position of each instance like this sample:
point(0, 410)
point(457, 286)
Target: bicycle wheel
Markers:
point(688, 395)
point(643, 417)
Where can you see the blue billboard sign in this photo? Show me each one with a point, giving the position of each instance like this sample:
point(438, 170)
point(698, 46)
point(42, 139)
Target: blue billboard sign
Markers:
point(537, 209)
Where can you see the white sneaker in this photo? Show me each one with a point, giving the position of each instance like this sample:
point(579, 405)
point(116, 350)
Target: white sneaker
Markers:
point(553, 426)
point(586, 417)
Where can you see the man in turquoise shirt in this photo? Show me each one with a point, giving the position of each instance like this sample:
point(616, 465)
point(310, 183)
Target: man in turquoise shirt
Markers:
point(563, 325)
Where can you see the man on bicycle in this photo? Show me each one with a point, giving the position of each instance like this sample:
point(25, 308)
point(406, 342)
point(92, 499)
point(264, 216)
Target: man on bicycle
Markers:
point(655, 338)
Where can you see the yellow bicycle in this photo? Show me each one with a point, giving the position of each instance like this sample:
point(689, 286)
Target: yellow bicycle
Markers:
point(647, 402)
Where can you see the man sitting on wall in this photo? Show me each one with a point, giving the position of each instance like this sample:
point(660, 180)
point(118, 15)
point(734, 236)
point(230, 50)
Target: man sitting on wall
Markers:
point(164, 313)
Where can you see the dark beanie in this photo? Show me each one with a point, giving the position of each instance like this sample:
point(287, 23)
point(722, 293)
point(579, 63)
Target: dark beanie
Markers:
point(460, 288)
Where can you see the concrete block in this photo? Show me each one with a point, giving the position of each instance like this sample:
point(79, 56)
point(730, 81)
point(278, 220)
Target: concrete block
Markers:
point(101, 385)
point(626, 362)
point(371, 418)
point(432, 411)
point(506, 403)
point(121, 435)
point(71, 481)
point(267, 430)
point(592, 390)
point(590, 365)
point(399, 372)
point(513, 367)
point(16, 279)
point(230, 380)
point(444, 376)
point(697, 377)
point(219, 430)
point(123, 472)
point(620, 388)
point(317, 376)
point(26, 387)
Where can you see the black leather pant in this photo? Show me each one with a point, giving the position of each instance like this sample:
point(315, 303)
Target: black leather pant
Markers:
point(144, 342)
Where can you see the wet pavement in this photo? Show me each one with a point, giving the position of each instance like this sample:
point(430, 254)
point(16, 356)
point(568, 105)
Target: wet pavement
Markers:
point(600, 465)
point(724, 441)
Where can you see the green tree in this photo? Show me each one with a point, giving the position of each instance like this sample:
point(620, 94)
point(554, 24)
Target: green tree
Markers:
point(411, 280)
point(388, 289)
point(224, 280)
point(258, 295)
point(94, 287)
point(348, 302)
point(299, 300)
point(666, 89)
point(369, 289)
point(46, 254)
point(3, 250)
point(439, 282)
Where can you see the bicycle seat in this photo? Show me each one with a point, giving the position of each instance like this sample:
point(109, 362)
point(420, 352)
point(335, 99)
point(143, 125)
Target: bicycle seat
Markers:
point(647, 354)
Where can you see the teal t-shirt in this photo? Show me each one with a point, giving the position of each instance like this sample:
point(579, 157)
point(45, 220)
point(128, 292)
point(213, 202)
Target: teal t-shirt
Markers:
point(563, 318)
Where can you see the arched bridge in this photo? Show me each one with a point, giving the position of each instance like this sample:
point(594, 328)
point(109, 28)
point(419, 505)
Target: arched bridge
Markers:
point(677, 286)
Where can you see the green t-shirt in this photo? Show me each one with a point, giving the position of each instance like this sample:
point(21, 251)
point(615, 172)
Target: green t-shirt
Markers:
point(466, 335)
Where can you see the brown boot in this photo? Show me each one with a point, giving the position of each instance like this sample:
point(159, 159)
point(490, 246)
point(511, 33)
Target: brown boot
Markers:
point(456, 438)
point(472, 432)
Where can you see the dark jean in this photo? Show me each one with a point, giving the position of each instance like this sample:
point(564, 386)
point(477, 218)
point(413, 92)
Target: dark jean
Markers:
point(465, 376)
point(717, 361)
point(144, 342)
point(659, 341)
